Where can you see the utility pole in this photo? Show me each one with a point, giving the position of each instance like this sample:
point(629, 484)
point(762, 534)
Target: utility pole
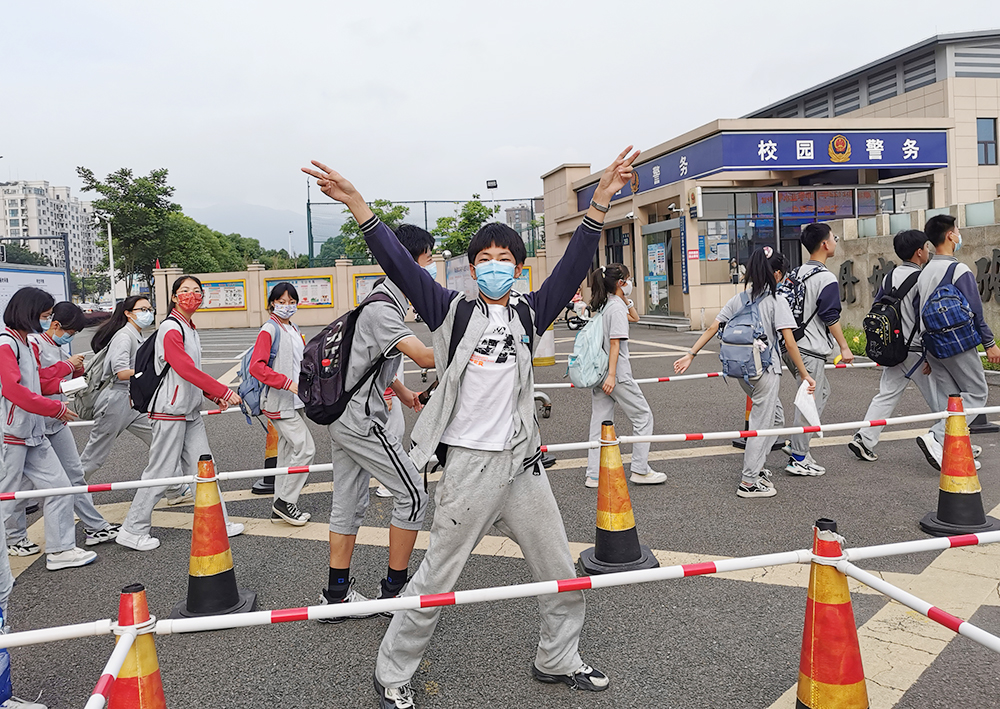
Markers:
point(309, 225)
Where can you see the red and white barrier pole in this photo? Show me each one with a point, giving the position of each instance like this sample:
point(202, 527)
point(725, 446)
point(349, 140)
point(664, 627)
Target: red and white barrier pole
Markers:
point(62, 632)
point(210, 412)
point(953, 623)
point(99, 697)
point(920, 545)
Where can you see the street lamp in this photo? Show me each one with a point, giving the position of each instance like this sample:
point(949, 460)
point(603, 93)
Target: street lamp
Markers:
point(111, 254)
point(290, 232)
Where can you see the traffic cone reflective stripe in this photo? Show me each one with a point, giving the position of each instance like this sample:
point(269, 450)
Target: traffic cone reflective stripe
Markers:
point(960, 501)
point(616, 546)
point(830, 669)
point(210, 551)
point(139, 685)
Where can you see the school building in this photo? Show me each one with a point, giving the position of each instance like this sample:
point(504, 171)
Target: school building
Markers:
point(891, 141)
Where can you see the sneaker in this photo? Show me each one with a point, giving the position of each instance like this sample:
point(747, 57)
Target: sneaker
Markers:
point(288, 512)
point(382, 491)
point(30, 510)
point(351, 597)
point(99, 536)
point(803, 467)
point(649, 478)
point(139, 542)
point(931, 449)
point(69, 558)
point(585, 678)
point(858, 448)
point(386, 593)
point(394, 697)
point(976, 450)
point(765, 476)
point(185, 498)
point(590, 482)
point(25, 547)
point(18, 703)
point(759, 488)
point(234, 529)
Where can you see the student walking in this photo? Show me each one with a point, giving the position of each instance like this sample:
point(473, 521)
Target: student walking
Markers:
point(955, 364)
point(179, 437)
point(481, 424)
point(280, 402)
point(611, 286)
point(911, 248)
point(763, 272)
point(820, 319)
point(27, 452)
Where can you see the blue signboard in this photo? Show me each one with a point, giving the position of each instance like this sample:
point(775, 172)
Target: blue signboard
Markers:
point(895, 150)
point(684, 254)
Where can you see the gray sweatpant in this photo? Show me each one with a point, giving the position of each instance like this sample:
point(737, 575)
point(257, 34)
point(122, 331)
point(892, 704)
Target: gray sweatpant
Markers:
point(766, 412)
point(6, 577)
point(64, 446)
point(890, 390)
point(357, 459)
point(627, 395)
point(113, 414)
point(961, 374)
point(815, 366)
point(479, 489)
point(41, 467)
point(295, 447)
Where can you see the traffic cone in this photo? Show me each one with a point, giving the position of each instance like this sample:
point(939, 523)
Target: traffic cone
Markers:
point(212, 585)
point(960, 500)
point(616, 547)
point(265, 485)
point(138, 685)
point(830, 671)
point(741, 443)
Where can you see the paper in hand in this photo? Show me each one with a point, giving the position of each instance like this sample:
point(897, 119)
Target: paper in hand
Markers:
point(806, 405)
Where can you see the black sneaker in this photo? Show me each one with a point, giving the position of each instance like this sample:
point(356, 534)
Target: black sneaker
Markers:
point(351, 597)
point(282, 511)
point(386, 593)
point(858, 448)
point(394, 697)
point(586, 678)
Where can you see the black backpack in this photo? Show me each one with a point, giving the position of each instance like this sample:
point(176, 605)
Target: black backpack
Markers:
point(324, 366)
point(143, 385)
point(883, 325)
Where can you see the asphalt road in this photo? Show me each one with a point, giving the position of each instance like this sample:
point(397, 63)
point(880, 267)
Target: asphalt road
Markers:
point(695, 642)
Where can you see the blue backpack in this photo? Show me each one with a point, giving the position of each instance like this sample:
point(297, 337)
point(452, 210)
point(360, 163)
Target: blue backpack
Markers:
point(949, 325)
point(588, 365)
point(745, 351)
point(251, 388)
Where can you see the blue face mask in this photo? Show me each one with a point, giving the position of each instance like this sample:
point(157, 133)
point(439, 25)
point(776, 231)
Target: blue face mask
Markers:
point(432, 268)
point(144, 320)
point(495, 278)
point(959, 244)
point(64, 339)
point(45, 324)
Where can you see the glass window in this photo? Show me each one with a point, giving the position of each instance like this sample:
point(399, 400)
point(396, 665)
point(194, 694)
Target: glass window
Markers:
point(15, 222)
point(912, 200)
point(834, 203)
point(744, 202)
point(986, 136)
point(867, 203)
point(765, 203)
point(717, 205)
point(886, 202)
point(796, 203)
point(613, 252)
point(13, 212)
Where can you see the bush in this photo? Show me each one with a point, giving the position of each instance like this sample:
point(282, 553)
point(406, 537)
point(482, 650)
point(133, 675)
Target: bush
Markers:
point(855, 339)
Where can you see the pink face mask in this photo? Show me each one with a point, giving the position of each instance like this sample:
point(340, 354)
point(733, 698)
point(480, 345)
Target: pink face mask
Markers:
point(189, 302)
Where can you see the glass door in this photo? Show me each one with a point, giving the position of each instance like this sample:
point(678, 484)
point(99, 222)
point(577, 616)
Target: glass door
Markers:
point(657, 265)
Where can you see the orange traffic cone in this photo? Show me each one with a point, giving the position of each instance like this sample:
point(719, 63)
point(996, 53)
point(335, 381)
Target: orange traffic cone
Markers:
point(616, 547)
point(265, 485)
point(960, 500)
point(138, 685)
point(212, 585)
point(741, 443)
point(830, 671)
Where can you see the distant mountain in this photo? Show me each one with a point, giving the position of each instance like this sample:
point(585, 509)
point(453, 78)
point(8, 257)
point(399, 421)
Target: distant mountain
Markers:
point(269, 226)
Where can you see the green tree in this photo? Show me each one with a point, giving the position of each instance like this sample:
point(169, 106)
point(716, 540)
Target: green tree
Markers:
point(455, 233)
point(350, 242)
point(90, 287)
point(138, 207)
point(19, 254)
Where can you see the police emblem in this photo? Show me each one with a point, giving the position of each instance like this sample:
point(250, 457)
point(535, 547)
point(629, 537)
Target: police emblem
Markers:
point(634, 183)
point(839, 149)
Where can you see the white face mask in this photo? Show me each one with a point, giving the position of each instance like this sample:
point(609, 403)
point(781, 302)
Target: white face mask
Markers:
point(285, 310)
point(627, 288)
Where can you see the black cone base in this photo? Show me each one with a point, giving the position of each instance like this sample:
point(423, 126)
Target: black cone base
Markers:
point(264, 486)
point(981, 425)
point(741, 443)
point(247, 604)
point(215, 595)
point(935, 527)
point(592, 566)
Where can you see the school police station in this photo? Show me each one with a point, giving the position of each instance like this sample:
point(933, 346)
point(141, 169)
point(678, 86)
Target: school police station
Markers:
point(874, 151)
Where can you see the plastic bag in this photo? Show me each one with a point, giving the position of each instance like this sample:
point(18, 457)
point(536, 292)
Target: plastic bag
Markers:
point(806, 405)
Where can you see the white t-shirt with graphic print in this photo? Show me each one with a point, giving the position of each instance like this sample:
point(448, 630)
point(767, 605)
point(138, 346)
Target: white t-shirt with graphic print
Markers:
point(484, 415)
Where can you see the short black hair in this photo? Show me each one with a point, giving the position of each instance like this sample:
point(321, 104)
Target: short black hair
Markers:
point(414, 239)
point(814, 235)
point(279, 290)
point(906, 243)
point(937, 228)
point(69, 316)
point(24, 308)
point(501, 236)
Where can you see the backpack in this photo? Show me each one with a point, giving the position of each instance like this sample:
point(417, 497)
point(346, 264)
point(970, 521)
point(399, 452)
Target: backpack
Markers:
point(251, 389)
point(324, 366)
point(883, 325)
point(949, 327)
point(85, 401)
point(588, 365)
point(793, 289)
point(143, 385)
point(463, 313)
point(745, 351)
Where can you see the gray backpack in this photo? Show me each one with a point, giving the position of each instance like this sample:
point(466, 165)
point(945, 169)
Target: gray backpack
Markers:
point(745, 351)
point(84, 402)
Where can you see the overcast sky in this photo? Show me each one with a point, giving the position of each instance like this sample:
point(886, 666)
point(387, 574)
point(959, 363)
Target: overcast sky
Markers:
point(410, 100)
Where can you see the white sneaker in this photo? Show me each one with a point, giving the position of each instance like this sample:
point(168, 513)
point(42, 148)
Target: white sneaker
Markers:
point(382, 491)
point(18, 703)
point(590, 482)
point(931, 449)
point(803, 467)
point(352, 597)
point(185, 498)
point(139, 542)
point(234, 529)
point(649, 478)
point(69, 559)
point(813, 463)
point(976, 451)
